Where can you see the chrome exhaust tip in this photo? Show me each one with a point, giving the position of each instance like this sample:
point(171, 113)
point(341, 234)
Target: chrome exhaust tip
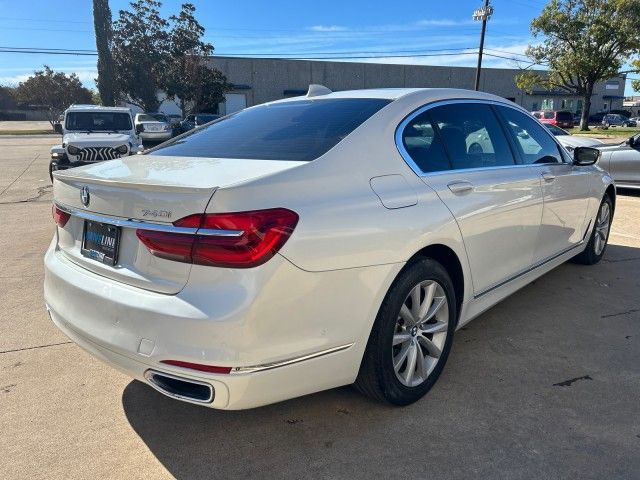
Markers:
point(179, 387)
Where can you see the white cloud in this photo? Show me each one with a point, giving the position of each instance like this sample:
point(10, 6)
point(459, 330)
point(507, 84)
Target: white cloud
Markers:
point(328, 28)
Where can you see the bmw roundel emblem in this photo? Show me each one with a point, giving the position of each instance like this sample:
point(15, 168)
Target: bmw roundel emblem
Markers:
point(85, 197)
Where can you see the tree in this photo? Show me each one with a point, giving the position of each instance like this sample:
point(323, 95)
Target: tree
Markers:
point(140, 53)
point(102, 26)
point(583, 42)
point(53, 90)
point(188, 77)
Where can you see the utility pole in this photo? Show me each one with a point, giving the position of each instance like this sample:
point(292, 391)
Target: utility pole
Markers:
point(482, 14)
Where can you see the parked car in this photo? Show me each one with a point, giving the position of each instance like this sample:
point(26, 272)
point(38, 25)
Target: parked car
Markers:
point(197, 120)
point(92, 134)
point(596, 118)
point(617, 120)
point(570, 142)
point(153, 127)
point(559, 118)
point(317, 241)
point(622, 161)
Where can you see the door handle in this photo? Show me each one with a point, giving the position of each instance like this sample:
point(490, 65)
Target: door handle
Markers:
point(548, 177)
point(460, 187)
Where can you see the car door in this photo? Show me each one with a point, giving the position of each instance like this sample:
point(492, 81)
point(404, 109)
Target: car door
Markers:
point(565, 187)
point(462, 152)
point(624, 163)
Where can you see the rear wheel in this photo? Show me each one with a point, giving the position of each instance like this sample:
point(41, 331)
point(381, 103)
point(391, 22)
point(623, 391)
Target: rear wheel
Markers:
point(53, 165)
point(597, 245)
point(411, 337)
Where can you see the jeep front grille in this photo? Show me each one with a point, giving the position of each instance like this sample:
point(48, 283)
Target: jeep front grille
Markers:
point(94, 154)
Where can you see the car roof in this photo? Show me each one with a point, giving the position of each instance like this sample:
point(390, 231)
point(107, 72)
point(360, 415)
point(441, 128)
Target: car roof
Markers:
point(99, 108)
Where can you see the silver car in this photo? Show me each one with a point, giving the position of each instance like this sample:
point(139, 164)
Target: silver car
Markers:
point(153, 127)
point(622, 161)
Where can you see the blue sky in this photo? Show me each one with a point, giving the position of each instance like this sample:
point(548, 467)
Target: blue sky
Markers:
point(252, 27)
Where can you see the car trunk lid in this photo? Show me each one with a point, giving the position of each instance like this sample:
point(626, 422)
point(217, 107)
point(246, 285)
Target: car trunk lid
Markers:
point(143, 189)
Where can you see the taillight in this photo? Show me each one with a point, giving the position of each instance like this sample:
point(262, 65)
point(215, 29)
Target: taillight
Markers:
point(260, 234)
point(59, 216)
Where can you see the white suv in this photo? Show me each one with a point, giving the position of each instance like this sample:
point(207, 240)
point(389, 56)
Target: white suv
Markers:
point(91, 133)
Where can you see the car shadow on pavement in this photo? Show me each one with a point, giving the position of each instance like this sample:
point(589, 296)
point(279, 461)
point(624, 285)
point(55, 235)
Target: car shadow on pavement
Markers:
point(528, 386)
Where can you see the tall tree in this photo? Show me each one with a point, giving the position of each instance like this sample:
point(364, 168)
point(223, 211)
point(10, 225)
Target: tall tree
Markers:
point(140, 53)
point(582, 42)
point(188, 76)
point(53, 90)
point(104, 36)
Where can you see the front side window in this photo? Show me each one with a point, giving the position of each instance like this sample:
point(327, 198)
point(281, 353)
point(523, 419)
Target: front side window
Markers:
point(297, 130)
point(534, 143)
point(97, 121)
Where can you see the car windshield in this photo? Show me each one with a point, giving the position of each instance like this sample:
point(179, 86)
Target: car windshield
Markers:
point(98, 121)
point(557, 131)
point(293, 130)
point(153, 117)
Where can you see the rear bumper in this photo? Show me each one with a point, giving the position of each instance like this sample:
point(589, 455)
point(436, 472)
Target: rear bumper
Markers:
point(156, 136)
point(283, 331)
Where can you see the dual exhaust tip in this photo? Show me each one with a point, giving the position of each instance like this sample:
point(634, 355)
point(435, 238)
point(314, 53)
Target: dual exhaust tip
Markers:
point(180, 387)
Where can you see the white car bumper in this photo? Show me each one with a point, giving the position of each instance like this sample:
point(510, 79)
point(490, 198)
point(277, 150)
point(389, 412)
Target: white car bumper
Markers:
point(285, 332)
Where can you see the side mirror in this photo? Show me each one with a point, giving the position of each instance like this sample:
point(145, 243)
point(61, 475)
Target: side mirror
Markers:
point(57, 127)
point(139, 128)
point(585, 156)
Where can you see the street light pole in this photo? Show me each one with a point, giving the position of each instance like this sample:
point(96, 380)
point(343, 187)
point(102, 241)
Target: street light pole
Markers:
point(483, 14)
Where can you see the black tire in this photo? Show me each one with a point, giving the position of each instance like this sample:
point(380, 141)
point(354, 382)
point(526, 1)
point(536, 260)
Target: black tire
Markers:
point(377, 378)
point(590, 256)
point(53, 165)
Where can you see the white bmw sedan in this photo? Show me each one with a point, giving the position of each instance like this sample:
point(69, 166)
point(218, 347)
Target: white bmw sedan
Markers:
point(317, 241)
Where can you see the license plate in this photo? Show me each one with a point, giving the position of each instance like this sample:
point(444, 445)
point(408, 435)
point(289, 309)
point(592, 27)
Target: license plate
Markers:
point(100, 242)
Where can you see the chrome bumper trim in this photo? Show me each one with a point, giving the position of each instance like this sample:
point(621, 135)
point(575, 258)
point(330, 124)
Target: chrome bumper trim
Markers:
point(291, 361)
point(156, 227)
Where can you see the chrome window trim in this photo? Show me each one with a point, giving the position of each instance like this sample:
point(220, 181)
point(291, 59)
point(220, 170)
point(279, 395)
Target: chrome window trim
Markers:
point(156, 227)
point(410, 162)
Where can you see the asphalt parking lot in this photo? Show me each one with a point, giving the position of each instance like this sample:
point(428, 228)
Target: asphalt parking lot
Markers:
point(545, 385)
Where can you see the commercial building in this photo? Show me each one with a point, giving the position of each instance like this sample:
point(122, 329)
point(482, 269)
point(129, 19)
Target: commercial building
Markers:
point(259, 80)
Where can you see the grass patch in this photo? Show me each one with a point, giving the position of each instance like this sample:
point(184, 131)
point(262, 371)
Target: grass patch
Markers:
point(622, 132)
point(27, 132)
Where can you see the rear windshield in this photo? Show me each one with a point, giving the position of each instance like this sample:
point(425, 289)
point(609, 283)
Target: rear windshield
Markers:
point(97, 121)
point(564, 116)
point(296, 130)
point(152, 117)
point(548, 115)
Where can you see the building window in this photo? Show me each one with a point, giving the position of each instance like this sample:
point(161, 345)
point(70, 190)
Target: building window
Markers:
point(534, 107)
point(547, 104)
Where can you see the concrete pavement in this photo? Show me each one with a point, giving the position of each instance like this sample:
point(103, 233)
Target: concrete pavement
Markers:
point(544, 385)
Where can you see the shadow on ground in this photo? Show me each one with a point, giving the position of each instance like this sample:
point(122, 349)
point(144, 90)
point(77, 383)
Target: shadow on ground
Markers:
point(544, 384)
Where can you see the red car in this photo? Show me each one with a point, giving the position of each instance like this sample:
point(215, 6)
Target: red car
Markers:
point(559, 118)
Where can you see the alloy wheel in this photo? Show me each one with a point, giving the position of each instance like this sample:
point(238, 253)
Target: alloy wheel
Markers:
point(602, 228)
point(420, 333)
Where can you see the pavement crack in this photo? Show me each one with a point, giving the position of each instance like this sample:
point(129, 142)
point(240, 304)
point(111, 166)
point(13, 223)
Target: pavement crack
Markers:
point(621, 260)
point(42, 191)
point(567, 383)
point(626, 312)
point(34, 348)
point(35, 157)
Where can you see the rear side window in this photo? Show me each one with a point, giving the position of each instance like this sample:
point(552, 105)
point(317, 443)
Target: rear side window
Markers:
point(471, 135)
point(533, 141)
point(456, 136)
point(296, 130)
point(424, 146)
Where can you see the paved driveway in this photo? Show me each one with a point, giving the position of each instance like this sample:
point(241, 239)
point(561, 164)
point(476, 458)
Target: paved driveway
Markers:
point(545, 385)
